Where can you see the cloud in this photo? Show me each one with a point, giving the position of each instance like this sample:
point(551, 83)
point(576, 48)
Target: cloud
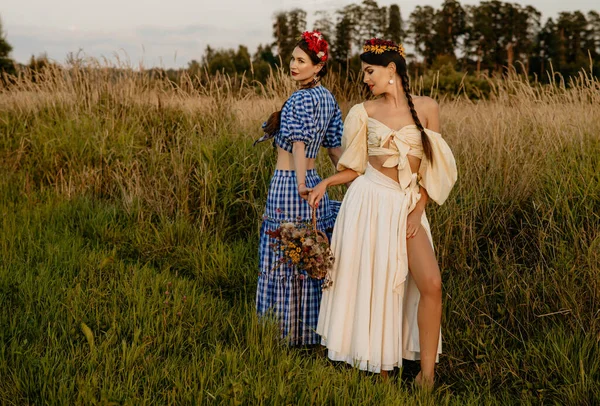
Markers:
point(149, 45)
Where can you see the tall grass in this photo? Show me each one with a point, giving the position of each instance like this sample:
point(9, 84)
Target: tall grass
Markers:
point(129, 233)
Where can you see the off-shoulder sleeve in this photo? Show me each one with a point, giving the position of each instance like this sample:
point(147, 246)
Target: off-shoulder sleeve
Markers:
point(298, 118)
point(438, 177)
point(333, 135)
point(354, 141)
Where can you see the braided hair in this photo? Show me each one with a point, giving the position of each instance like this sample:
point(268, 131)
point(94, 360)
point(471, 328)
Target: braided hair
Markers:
point(384, 59)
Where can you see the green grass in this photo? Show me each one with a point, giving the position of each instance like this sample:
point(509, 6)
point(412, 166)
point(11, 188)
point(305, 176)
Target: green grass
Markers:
point(108, 203)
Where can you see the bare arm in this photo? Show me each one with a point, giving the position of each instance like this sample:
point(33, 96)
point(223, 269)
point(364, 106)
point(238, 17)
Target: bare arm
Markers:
point(334, 155)
point(420, 207)
point(299, 154)
point(433, 115)
point(317, 193)
point(345, 176)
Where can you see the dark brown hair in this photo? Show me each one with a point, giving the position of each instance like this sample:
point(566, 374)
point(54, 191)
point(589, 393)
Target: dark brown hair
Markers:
point(274, 121)
point(384, 59)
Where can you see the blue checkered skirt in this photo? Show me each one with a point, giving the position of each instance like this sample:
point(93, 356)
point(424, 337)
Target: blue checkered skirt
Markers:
point(286, 292)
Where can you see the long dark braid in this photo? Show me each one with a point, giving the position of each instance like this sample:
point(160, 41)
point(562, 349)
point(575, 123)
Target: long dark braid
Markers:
point(413, 112)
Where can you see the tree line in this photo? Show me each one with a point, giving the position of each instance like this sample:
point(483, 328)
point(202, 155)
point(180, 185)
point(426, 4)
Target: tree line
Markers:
point(490, 37)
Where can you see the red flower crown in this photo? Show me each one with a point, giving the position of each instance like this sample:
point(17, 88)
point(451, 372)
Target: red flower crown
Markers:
point(379, 46)
point(317, 44)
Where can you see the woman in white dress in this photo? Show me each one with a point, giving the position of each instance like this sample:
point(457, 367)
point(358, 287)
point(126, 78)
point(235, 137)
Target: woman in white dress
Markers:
point(385, 303)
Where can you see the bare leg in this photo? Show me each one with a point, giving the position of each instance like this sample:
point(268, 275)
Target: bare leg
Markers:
point(426, 274)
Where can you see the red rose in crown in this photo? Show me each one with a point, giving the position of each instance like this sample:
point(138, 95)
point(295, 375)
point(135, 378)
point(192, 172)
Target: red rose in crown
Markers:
point(317, 44)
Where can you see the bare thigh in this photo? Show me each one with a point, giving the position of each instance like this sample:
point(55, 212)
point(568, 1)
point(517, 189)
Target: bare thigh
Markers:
point(422, 263)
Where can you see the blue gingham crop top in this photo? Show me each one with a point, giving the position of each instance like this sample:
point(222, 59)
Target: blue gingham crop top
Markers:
point(313, 117)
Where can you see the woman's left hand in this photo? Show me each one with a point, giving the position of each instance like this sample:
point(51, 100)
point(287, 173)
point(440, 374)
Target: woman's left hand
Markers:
point(317, 194)
point(304, 191)
point(413, 223)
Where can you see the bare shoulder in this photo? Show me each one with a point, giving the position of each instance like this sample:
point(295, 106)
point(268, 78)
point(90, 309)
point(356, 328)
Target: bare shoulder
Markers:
point(359, 109)
point(429, 110)
point(370, 106)
point(426, 104)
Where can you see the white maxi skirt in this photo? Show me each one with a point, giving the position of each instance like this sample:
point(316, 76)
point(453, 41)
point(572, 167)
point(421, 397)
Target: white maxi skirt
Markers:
point(368, 317)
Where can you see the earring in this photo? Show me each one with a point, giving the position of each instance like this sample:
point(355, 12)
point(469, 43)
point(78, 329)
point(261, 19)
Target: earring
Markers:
point(391, 81)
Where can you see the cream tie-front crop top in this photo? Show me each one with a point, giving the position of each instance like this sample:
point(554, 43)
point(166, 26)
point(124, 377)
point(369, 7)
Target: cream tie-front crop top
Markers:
point(365, 136)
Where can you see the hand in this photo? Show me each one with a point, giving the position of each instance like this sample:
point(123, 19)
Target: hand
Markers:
point(304, 191)
point(413, 223)
point(317, 194)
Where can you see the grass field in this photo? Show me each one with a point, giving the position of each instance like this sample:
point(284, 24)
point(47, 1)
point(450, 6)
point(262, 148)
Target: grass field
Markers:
point(129, 215)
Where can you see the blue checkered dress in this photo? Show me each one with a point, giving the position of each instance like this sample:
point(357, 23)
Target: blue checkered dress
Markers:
point(285, 292)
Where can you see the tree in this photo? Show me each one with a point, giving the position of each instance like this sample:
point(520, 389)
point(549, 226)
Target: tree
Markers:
point(574, 35)
point(593, 44)
point(384, 21)
point(567, 44)
point(297, 24)
point(371, 20)
point(346, 33)
point(487, 25)
point(281, 34)
point(421, 32)
point(450, 25)
point(521, 28)
point(241, 59)
point(287, 29)
point(264, 53)
point(194, 68)
point(220, 60)
point(532, 27)
point(324, 24)
point(39, 63)
point(342, 45)
point(37, 66)
point(262, 62)
point(209, 54)
point(394, 30)
point(547, 49)
point(6, 63)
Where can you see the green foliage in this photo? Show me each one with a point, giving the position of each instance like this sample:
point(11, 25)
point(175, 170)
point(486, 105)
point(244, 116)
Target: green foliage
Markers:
point(344, 37)
point(128, 240)
point(287, 29)
point(324, 24)
point(395, 31)
point(223, 61)
point(493, 37)
point(450, 25)
point(6, 63)
point(421, 32)
point(443, 80)
point(372, 21)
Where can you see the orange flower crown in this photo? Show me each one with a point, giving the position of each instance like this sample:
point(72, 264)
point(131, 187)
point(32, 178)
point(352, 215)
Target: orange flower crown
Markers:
point(379, 46)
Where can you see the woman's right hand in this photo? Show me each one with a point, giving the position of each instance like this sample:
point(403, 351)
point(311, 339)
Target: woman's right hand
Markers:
point(317, 194)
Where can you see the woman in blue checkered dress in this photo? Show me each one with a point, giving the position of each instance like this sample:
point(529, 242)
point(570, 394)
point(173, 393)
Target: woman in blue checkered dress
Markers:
point(309, 119)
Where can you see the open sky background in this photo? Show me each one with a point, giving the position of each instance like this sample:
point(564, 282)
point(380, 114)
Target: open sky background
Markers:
point(171, 33)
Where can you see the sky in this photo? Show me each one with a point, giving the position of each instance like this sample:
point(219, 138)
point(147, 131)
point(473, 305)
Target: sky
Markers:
point(170, 33)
